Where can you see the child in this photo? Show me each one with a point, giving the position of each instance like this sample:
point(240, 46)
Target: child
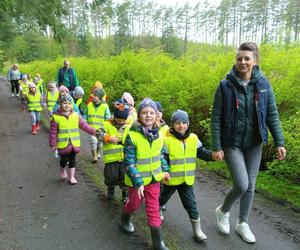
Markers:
point(163, 127)
point(64, 136)
point(24, 89)
point(132, 117)
point(77, 95)
point(113, 134)
point(63, 90)
point(34, 107)
point(97, 85)
point(52, 96)
point(181, 150)
point(97, 113)
point(143, 162)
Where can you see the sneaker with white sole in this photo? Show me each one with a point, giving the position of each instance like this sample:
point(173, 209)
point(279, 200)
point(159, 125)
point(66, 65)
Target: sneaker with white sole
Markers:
point(13, 94)
point(17, 95)
point(244, 231)
point(223, 221)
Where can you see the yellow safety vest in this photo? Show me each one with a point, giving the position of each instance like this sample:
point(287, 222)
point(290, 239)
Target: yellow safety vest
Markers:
point(68, 130)
point(163, 130)
point(114, 152)
point(96, 118)
point(131, 118)
point(52, 99)
point(148, 158)
point(25, 88)
point(78, 102)
point(34, 102)
point(182, 159)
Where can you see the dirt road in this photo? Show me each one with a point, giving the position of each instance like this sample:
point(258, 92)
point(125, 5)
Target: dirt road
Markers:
point(40, 212)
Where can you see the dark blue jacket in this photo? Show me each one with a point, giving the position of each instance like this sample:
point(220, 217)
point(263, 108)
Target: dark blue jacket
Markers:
point(230, 126)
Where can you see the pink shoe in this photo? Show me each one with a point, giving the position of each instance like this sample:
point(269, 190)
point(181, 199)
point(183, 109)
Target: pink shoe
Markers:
point(63, 173)
point(72, 180)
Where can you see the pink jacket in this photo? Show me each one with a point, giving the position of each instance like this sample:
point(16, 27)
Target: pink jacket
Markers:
point(54, 132)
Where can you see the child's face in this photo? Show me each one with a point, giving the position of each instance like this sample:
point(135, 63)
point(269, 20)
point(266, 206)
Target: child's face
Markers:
point(63, 92)
point(66, 106)
point(181, 127)
point(147, 117)
point(159, 116)
point(96, 100)
point(32, 89)
point(120, 122)
point(77, 96)
point(51, 88)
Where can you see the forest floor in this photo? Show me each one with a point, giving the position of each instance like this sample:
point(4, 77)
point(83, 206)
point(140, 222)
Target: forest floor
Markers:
point(38, 211)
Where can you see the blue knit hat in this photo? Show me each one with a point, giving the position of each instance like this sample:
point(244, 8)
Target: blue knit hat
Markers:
point(159, 107)
point(66, 97)
point(121, 109)
point(180, 115)
point(147, 102)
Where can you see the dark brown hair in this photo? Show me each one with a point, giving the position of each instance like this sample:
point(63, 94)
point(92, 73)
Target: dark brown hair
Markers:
point(249, 46)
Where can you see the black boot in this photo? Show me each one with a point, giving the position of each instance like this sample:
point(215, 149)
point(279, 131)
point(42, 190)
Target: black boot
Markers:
point(111, 192)
point(126, 223)
point(157, 239)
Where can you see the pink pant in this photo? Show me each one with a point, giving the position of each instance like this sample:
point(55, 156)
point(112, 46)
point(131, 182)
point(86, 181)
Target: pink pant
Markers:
point(151, 195)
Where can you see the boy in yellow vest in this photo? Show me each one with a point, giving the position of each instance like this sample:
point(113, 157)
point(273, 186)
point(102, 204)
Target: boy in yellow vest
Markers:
point(181, 150)
point(24, 89)
point(52, 96)
point(64, 136)
point(97, 113)
point(113, 134)
point(34, 106)
point(144, 164)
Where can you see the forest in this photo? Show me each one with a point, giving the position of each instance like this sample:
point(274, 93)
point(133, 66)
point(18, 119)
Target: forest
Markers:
point(176, 55)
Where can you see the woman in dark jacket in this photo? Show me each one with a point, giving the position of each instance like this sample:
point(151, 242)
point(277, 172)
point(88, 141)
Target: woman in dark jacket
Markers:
point(243, 111)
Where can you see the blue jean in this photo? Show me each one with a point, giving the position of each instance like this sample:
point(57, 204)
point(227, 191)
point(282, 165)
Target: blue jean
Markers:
point(35, 117)
point(244, 166)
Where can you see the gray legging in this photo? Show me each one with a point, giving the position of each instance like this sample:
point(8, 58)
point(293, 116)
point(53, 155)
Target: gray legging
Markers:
point(244, 166)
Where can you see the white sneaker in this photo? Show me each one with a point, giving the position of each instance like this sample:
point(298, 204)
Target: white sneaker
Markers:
point(244, 231)
point(13, 94)
point(17, 95)
point(223, 221)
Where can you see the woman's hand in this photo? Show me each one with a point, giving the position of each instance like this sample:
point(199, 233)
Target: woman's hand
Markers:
point(140, 191)
point(281, 153)
point(217, 155)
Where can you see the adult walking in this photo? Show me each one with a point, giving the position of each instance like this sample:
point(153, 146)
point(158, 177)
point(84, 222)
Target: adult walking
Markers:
point(244, 109)
point(13, 76)
point(67, 76)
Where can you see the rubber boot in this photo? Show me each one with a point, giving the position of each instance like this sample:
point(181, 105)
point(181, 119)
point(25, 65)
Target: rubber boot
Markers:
point(94, 154)
point(198, 234)
point(37, 125)
point(72, 180)
point(33, 129)
point(110, 192)
point(124, 196)
point(126, 223)
point(157, 239)
point(98, 153)
point(63, 173)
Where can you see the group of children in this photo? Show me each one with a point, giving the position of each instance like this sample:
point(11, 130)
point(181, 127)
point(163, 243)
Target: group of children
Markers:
point(145, 157)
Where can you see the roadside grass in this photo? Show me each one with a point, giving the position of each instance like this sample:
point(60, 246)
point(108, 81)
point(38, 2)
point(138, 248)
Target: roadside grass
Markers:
point(271, 187)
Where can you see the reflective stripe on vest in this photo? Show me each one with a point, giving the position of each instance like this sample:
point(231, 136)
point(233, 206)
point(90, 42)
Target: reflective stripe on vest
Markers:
point(96, 118)
point(34, 102)
point(182, 159)
point(148, 158)
point(114, 152)
point(52, 99)
point(67, 130)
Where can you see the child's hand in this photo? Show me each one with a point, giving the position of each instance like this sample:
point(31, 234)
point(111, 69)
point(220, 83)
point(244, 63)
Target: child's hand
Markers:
point(217, 155)
point(166, 176)
point(53, 148)
point(114, 139)
point(140, 191)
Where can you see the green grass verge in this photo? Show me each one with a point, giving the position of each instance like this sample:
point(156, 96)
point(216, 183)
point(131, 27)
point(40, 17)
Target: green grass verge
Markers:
point(282, 191)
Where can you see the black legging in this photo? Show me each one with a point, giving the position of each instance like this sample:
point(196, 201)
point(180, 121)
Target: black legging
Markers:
point(14, 86)
point(71, 158)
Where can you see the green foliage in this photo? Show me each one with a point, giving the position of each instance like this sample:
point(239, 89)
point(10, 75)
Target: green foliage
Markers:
point(189, 83)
